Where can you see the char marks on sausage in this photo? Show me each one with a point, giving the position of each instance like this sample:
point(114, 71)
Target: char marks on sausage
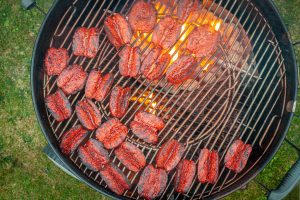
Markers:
point(88, 114)
point(166, 32)
point(111, 133)
point(72, 79)
point(142, 16)
point(118, 30)
point(59, 106)
point(56, 60)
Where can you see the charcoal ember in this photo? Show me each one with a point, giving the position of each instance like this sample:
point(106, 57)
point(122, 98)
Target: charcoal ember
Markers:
point(237, 156)
point(72, 138)
point(115, 179)
point(149, 57)
point(98, 86)
point(59, 106)
point(131, 156)
point(208, 166)
point(181, 70)
point(56, 60)
point(155, 70)
point(185, 174)
point(152, 182)
point(142, 16)
point(130, 61)
point(88, 114)
point(186, 8)
point(119, 101)
point(149, 120)
point(166, 32)
point(144, 132)
point(72, 79)
point(203, 41)
point(93, 155)
point(112, 133)
point(86, 42)
point(169, 155)
point(118, 30)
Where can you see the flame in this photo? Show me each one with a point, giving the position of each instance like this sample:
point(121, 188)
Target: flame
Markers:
point(151, 96)
point(182, 38)
point(149, 100)
point(175, 56)
point(206, 68)
point(160, 8)
point(153, 108)
point(216, 24)
point(185, 31)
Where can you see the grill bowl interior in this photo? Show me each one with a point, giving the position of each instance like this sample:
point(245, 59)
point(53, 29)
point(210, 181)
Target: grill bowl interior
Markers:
point(263, 119)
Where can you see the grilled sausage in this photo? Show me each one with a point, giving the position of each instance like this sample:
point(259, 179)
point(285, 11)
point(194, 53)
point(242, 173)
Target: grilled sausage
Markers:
point(86, 42)
point(155, 70)
point(88, 114)
point(71, 139)
point(56, 60)
point(152, 182)
point(144, 132)
point(203, 41)
point(166, 32)
point(97, 87)
point(185, 174)
point(119, 101)
point(130, 61)
point(237, 156)
point(93, 155)
point(181, 70)
point(208, 166)
point(142, 16)
point(149, 57)
point(72, 79)
point(115, 179)
point(118, 30)
point(169, 155)
point(131, 156)
point(111, 133)
point(185, 8)
point(149, 120)
point(59, 106)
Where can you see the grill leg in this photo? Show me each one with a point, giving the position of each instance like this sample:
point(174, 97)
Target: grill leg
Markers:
point(54, 158)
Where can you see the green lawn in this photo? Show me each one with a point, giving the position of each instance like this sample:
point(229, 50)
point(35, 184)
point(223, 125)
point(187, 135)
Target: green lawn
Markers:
point(25, 172)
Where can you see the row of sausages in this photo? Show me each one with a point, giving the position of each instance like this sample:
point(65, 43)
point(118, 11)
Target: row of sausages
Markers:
point(153, 179)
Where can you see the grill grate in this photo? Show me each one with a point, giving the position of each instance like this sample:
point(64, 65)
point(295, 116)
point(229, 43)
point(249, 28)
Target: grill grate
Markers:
point(240, 103)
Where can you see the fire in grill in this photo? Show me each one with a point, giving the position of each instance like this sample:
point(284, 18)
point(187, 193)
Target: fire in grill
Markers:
point(207, 94)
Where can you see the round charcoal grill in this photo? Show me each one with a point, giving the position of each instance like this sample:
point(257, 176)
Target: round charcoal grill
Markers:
point(245, 90)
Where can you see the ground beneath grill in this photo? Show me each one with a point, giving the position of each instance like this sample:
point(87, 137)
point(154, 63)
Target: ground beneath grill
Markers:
point(25, 172)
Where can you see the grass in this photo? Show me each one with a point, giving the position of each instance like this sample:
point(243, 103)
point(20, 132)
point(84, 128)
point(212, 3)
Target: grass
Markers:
point(25, 172)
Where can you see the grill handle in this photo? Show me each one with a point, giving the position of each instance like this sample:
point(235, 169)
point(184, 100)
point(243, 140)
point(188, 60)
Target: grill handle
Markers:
point(29, 4)
point(289, 181)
